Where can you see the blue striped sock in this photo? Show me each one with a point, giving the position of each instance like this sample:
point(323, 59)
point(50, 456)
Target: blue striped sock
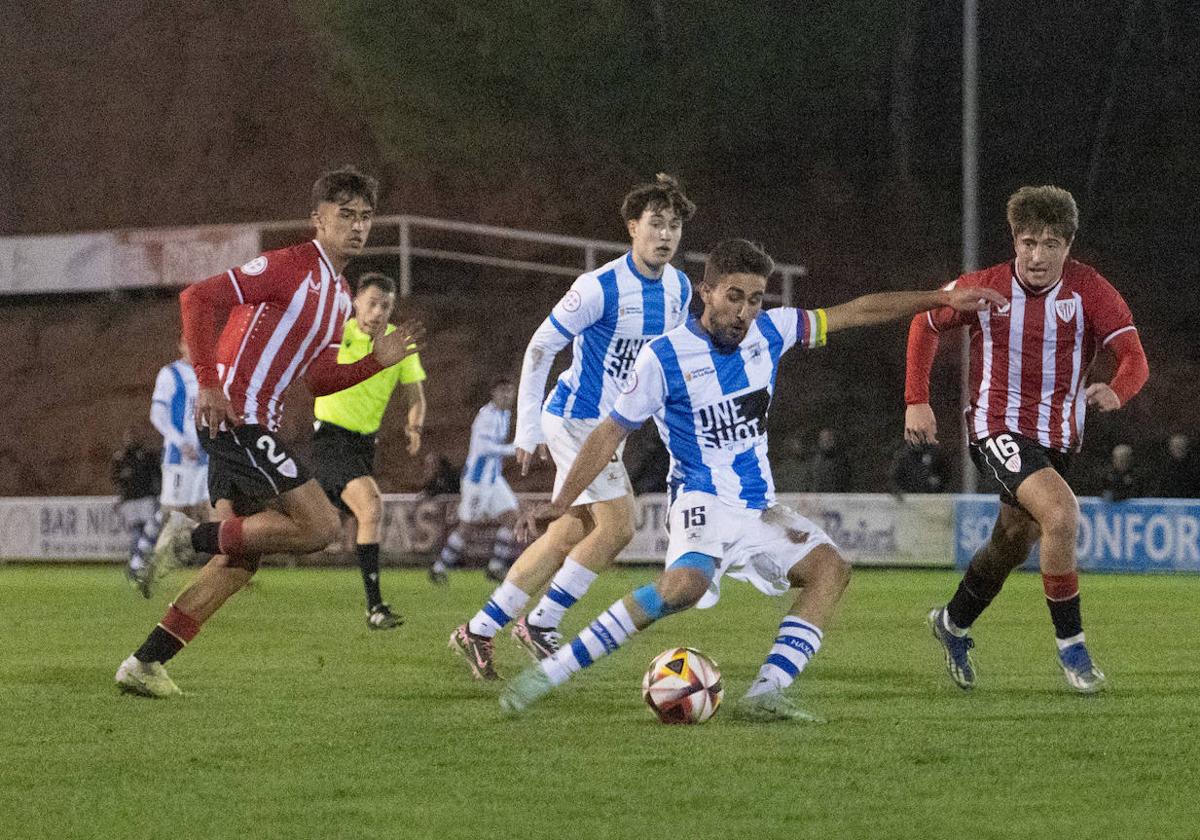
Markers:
point(604, 635)
point(569, 585)
point(505, 603)
point(797, 643)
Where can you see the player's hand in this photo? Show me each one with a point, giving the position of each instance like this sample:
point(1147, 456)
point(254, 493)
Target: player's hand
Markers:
point(525, 458)
point(1100, 396)
point(526, 528)
point(974, 299)
point(397, 345)
point(190, 453)
point(920, 426)
point(414, 440)
point(213, 410)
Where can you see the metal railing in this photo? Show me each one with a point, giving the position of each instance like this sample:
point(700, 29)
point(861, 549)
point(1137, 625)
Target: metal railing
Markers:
point(590, 250)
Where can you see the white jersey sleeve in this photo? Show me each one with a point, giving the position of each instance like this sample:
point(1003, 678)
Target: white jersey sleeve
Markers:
point(644, 392)
point(484, 439)
point(805, 327)
point(546, 343)
point(578, 309)
point(685, 299)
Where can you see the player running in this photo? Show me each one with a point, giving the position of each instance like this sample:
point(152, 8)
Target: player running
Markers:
point(708, 385)
point(283, 314)
point(486, 498)
point(184, 462)
point(1028, 399)
point(347, 422)
point(608, 315)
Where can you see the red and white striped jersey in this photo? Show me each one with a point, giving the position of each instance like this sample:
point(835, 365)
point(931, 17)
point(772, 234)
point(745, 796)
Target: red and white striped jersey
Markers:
point(291, 306)
point(1029, 360)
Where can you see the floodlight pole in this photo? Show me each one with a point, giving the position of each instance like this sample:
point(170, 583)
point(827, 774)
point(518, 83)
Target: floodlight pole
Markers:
point(970, 214)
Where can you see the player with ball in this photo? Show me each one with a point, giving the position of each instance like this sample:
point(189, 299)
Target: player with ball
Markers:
point(708, 385)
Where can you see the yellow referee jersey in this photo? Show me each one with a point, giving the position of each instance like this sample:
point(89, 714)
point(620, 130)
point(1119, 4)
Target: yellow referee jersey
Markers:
point(360, 407)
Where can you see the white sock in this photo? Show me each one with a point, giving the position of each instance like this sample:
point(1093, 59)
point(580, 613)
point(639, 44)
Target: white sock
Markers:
point(505, 602)
point(569, 585)
point(611, 629)
point(952, 628)
point(452, 551)
point(797, 643)
point(1063, 644)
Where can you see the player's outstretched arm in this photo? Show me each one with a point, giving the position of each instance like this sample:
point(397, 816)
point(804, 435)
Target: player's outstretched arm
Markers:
point(326, 376)
point(596, 453)
point(881, 307)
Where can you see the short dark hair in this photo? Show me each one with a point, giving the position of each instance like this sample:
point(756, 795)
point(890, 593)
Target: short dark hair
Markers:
point(736, 256)
point(374, 278)
point(498, 381)
point(1034, 209)
point(664, 192)
point(343, 184)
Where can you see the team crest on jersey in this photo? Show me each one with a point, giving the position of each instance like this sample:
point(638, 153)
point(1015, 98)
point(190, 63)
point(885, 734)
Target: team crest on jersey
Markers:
point(1065, 309)
point(255, 267)
point(571, 301)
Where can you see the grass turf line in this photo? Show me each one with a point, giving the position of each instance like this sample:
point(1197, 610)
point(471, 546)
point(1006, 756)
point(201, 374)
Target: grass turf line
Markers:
point(300, 722)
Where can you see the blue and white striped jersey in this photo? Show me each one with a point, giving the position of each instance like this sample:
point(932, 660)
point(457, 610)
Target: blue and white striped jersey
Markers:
point(488, 449)
point(173, 412)
point(608, 314)
point(711, 406)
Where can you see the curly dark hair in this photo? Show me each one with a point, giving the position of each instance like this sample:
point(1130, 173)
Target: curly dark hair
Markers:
point(663, 192)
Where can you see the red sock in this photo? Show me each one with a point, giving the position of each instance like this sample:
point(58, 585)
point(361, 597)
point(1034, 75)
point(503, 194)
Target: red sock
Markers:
point(1061, 587)
point(230, 537)
point(179, 624)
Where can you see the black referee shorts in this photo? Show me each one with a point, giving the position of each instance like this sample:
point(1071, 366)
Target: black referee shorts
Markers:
point(340, 456)
point(248, 466)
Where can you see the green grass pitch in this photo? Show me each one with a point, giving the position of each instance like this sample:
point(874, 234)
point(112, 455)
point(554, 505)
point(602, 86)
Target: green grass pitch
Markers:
point(298, 722)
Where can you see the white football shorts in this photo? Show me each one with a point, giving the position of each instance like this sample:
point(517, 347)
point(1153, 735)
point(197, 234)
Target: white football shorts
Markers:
point(565, 438)
point(485, 502)
point(184, 486)
point(756, 546)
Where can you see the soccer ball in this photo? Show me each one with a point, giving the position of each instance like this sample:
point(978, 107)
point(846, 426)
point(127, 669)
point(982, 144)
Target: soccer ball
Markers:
point(683, 685)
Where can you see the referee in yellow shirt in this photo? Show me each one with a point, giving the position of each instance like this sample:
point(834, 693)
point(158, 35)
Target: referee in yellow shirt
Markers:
point(347, 422)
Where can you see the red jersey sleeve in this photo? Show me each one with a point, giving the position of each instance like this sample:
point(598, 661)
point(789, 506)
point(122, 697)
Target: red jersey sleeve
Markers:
point(1111, 323)
point(923, 334)
point(326, 376)
point(270, 277)
point(1107, 312)
point(946, 318)
point(205, 306)
point(922, 348)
